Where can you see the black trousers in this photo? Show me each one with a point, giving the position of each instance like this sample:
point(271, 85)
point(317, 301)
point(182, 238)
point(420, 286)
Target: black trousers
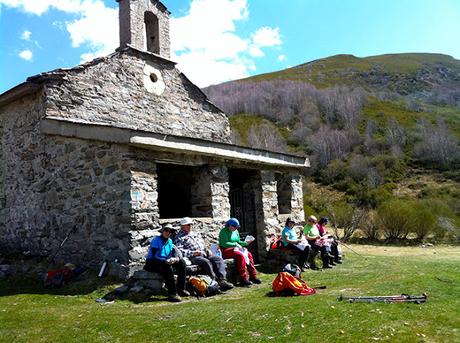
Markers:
point(303, 254)
point(167, 271)
point(214, 266)
point(323, 250)
point(335, 250)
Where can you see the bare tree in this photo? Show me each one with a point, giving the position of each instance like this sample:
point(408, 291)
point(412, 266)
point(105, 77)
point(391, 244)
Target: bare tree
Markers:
point(265, 136)
point(329, 144)
point(395, 137)
point(437, 144)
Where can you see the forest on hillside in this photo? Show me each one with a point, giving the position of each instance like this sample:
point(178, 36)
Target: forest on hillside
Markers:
point(363, 145)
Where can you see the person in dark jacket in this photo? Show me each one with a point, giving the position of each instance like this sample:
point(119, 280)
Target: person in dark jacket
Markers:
point(162, 257)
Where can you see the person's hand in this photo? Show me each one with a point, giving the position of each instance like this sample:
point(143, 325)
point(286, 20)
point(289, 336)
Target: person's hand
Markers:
point(197, 253)
point(172, 260)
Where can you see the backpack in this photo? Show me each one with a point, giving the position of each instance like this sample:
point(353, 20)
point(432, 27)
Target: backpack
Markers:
point(203, 285)
point(292, 269)
point(286, 284)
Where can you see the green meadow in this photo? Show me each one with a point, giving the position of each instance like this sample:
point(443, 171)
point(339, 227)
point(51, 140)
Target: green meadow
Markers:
point(31, 313)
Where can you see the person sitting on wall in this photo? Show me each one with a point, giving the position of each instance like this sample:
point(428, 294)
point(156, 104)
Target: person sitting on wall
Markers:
point(162, 257)
point(193, 248)
point(292, 242)
point(232, 246)
point(329, 241)
point(311, 233)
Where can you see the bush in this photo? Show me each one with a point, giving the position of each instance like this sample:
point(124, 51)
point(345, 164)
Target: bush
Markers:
point(369, 225)
point(394, 218)
point(346, 217)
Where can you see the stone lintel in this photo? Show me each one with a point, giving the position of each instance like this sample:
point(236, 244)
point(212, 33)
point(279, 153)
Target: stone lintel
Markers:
point(160, 142)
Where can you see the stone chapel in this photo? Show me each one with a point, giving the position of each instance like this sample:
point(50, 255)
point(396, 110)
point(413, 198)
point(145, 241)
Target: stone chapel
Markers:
point(106, 152)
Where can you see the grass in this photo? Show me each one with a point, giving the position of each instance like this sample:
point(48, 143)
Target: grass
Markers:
point(349, 69)
point(29, 313)
point(381, 111)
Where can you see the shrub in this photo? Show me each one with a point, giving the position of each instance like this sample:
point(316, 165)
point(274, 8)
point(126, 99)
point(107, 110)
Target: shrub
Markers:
point(346, 217)
point(369, 225)
point(394, 218)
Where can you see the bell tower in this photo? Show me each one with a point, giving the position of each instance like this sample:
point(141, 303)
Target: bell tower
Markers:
point(144, 24)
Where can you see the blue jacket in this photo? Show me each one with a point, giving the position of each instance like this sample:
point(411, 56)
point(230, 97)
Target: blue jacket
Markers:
point(160, 249)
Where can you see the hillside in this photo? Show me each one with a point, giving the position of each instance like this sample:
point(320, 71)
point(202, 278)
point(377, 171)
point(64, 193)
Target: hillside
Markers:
point(368, 124)
point(405, 74)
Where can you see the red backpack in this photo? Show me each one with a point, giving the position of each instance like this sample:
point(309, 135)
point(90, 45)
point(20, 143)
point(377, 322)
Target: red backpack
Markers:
point(286, 284)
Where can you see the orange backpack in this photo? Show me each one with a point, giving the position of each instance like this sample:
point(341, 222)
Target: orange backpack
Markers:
point(286, 284)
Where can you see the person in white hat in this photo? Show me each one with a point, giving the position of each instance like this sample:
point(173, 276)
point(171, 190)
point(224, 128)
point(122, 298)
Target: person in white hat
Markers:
point(192, 246)
point(162, 257)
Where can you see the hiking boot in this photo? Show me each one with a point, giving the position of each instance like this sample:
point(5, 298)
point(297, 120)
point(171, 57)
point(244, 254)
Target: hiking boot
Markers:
point(245, 283)
point(255, 280)
point(338, 261)
point(327, 266)
point(183, 293)
point(174, 298)
point(225, 285)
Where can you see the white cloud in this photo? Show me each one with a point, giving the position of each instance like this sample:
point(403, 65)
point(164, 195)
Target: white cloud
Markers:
point(205, 41)
point(39, 7)
point(281, 58)
point(26, 55)
point(207, 47)
point(26, 35)
point(96, 25)
point(266, 36)
point(97, 28)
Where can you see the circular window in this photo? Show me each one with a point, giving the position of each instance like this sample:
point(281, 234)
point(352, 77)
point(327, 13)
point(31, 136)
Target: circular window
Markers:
point(153, 77)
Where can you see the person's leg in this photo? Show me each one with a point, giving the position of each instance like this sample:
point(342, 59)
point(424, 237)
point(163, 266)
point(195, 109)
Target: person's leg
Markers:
point(335, 251)
point(167, 272)
point(239, 261)
point(205, 265)
point(218, 266)
point(181, 271)
point(302, 255)
point(252, 270)
point(325, 257)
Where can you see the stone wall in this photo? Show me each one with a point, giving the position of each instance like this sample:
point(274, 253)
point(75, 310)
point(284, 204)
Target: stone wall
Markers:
point(297, 211)
point(113, 92)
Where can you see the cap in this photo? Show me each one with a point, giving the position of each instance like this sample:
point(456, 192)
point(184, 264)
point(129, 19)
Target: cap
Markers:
point(186, 221)
point(232, 222)
point(169, 227)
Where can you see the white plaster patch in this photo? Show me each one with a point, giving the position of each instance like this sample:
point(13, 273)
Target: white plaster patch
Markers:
point(153, 80)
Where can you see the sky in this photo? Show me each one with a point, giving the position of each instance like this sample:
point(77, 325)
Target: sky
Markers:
point(215, 41)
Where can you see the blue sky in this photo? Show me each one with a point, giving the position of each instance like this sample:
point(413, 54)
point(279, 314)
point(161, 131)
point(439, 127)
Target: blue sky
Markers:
point(219, 40)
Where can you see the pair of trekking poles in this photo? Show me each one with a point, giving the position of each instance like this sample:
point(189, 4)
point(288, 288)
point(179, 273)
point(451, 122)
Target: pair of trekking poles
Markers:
point(403, 298)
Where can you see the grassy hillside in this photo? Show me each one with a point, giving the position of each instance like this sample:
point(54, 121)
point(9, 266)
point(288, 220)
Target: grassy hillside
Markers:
point(368, 124)
point(401, 73)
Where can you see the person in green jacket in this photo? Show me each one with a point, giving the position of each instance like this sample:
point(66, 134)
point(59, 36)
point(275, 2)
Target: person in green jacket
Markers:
point(232, 246)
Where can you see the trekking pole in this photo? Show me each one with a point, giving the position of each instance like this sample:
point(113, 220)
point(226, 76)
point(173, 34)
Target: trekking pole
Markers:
point(418, 299)
point(63, 242)
point(346, 246)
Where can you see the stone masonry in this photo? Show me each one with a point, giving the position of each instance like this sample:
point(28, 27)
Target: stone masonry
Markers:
point(82, 152)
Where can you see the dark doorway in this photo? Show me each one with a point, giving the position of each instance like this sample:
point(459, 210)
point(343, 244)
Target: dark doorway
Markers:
point(174, 191)
point(243, 185)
